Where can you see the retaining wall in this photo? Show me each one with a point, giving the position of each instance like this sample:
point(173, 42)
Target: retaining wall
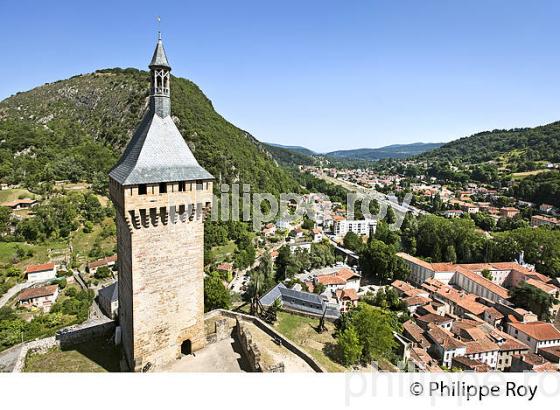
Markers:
point(287, 343)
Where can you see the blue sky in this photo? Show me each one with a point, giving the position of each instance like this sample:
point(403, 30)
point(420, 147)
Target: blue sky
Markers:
point(323, 74)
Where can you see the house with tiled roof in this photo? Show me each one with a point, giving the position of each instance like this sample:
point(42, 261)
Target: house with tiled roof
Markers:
point(20, 204)
point(552, 354)
point(42, 297)
point(536, 335)
point(415, 333)
point(443, 345)
point(40, 273)
point(467, 364)
point(414, 302)
point(347, 299)
point(469, 277)
point(530, 362)
point(108, 261)
point(343, 278)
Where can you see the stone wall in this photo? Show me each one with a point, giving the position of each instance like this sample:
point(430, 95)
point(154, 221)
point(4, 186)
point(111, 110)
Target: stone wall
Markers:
point(287, 343)
point(222, 330)
point(73, 336)
point(252, 352)
point(65, 338)
point(41, 345)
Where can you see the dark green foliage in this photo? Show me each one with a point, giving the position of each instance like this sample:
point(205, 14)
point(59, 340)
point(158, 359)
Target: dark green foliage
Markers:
point(379, 262)
point(353, 242)
point(313, 184)
point(307, 223)
point(70, 309)
point(349, 346)
point(289, 157)
point(216, 295)
point(60, 216)
point(540, 245)
point(434, 234)
point(288, 264)
point(76, 305)
point(102, 272)
point(387, 298)
point(540, 143)
point(90, 118)
point(540, 188)
point(531, 298)
point(374, 328)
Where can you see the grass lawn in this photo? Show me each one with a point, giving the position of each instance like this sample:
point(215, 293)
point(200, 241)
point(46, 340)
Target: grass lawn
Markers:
point(41, 252)
point(521, 175)
point(301, 330)
point(95, 356)
point(83, 242)
point(219, 253)
point(7, 195)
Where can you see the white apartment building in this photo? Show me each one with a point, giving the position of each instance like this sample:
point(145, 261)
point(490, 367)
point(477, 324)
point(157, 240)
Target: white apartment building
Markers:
point(359, 227)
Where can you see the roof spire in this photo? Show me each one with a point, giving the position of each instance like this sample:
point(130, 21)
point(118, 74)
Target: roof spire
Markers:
point(159, 59)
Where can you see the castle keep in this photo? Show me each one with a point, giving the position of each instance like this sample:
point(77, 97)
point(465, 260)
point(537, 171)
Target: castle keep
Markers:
point(161, 195)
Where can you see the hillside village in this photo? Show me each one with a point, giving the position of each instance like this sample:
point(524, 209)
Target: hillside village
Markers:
point(463, 277)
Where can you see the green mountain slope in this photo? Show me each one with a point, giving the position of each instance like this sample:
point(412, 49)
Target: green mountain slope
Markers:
point(525, 144)
point(293, 148)
point(287, 156)
point(76, 128)
point(390, 151)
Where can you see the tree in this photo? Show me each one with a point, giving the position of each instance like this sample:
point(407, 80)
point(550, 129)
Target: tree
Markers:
point(385, 234)
point(102, 272)
point(353, 242)
point(307, 223)
point(283, 260)
point(318, 288)
point(374, 328)
point(390, 217)
point(216, 296)
point(532, 298)
point(5, 217)
point(379, 261)
point(486, 274)
point(450, 254)
point(349, 346)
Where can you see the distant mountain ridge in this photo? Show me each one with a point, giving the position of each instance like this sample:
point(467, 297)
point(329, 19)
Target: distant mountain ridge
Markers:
point(370, 154)
point(390, 151)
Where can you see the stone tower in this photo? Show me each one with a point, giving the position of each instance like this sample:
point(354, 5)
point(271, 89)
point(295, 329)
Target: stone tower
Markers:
point(161, 196)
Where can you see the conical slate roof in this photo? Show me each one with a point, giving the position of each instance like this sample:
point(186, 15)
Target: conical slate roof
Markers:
point(159, 59)
point(157, 153)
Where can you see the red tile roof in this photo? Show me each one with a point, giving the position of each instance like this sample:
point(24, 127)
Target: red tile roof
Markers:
point(538, 330)
point(32, 293)
point(39, 268)
point(102, 262)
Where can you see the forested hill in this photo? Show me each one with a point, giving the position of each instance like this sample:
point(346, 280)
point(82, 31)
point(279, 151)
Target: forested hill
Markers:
point(76, 129)
point(525, 144)
point(390, 151)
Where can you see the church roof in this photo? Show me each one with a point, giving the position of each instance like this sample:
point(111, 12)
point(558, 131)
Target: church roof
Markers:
point(159, 59)
point(157, 153)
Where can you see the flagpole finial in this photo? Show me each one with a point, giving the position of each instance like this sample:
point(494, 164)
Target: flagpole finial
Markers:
point(159, 27)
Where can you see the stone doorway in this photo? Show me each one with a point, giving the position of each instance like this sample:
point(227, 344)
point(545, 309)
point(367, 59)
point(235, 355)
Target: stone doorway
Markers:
point(186, 348)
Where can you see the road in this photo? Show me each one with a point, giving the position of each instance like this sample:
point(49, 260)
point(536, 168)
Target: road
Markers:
point(381, 197)
point(9, 357)
point(14, 290)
